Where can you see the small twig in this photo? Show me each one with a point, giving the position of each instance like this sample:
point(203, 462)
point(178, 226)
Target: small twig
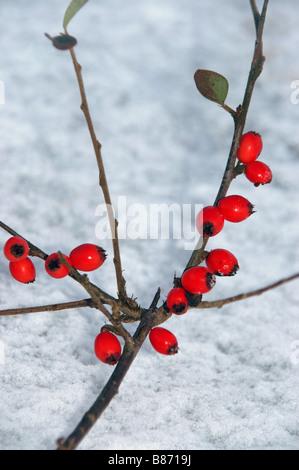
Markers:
point(48, 308)
point(256, 14)
point(102, 180)
point(220, 303)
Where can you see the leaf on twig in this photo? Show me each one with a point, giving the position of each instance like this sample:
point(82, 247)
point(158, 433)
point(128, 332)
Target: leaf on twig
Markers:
point(71, 10)
point(211, 85)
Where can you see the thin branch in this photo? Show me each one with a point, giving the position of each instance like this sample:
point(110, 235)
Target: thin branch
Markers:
point(240, 120)
point(239, 123)
point(220, 303)
point(256, 14)
point(112, 386)
point(102, 180)
point(48, 308)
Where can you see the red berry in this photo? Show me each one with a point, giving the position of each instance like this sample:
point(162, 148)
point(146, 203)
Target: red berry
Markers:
point(87, 257)
point(23, 271)
point(222, 262)
point(177, 301)
point(235, 208)
point(163, 341)
point(107, 348)
point(250, 147)
point(198, 280)
point(54, 266)
point(209, 221)
point(258, 173)
point(16, 249)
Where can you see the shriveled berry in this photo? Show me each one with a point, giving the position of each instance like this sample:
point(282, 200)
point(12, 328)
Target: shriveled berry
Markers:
point(198, 280)
point(107, 348)
point(235, 208)
point(177, 301)
point(23, 271)
point(16, 249)
point(87, 257)
point(54, 266)
point(163, 341)
point(63, 41)
point(250, 147)
point(222, 262)
point(209, 221)
point(258, 173)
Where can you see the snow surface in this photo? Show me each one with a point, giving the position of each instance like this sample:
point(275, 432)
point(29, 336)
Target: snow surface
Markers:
point(234, 383)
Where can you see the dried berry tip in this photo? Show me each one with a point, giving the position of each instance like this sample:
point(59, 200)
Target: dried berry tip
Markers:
point(173, 350)
point(208, 229)
point(210, 280)
point(179, 308)
point(113, 359)
point(17, 250)
point(54, 264)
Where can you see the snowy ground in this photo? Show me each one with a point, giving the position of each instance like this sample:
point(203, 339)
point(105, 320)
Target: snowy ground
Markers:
point(234, 383)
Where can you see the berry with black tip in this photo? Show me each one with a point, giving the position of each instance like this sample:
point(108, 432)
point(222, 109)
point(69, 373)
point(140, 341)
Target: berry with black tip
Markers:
point(55, 267)
point(198, 280)
point(107, 348)
point(163, 341)
point(258, 173)
point(235, 208)
point(222, 262)
point(209, 221)
point(87, 257)
point(16, 249)
point(177, 301)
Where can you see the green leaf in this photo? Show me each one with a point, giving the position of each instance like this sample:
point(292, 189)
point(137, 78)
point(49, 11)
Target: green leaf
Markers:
point(211, 85)
point(71, 10)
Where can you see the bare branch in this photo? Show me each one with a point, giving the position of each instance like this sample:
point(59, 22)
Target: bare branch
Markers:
point(239, 124)
point(48, 308)
point(220, 303)
point(256, 14)
point(102, 180)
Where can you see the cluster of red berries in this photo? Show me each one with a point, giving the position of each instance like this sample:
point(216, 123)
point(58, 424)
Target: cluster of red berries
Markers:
point(107, 347)
point(16, 250)
point(195, 281)
point(210, 221)
point(249, 150)
point(85, 257)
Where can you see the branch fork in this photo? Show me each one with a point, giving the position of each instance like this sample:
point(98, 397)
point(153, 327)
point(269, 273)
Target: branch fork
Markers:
point(124, 309)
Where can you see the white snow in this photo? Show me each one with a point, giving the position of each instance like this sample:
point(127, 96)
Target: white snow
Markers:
point(234, 383)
